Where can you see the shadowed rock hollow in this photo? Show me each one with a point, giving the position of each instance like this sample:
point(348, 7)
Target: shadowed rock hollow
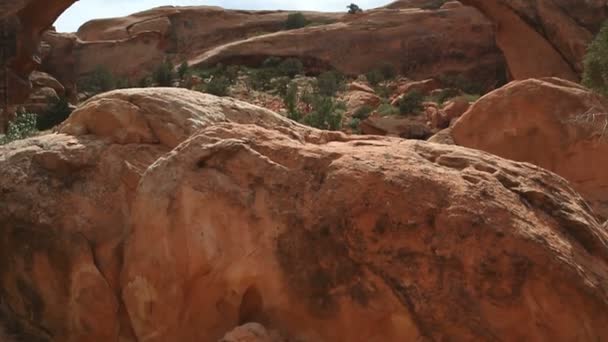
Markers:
point(318, 236)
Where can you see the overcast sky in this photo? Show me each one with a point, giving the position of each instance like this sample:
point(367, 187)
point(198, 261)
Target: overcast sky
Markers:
point(85, 10)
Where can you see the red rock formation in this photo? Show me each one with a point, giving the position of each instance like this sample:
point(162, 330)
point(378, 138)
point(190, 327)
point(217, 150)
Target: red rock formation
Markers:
point(24, 22)
point(419, 43)
point(557, 33)
point(531, 57)
point(149, 37)
point(256, 219)
point(552, 123)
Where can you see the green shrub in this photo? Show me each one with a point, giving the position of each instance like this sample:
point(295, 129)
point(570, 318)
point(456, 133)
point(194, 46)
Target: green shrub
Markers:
point(354, 9)
point(280, 85)
point(386, 109)
point(163, 75)
point(444, 95)
point(183, 70)
point(145, 82)
point(123, 83)
point(326, 114)
point(271, 62)
point(295, 21)
point(290, 99)
point(387, 71)
point(218, 85)
point(411, 103)
point(384, 72)
point(98, 81)
point(291, 67)
point(329, 83)
point(354, 125)
point(434, 4)
point(232, 72)
point(260, 79)
point(363, 112)
point(57, 113)
point(22, 127)
point(595, 74)
point(374, 77)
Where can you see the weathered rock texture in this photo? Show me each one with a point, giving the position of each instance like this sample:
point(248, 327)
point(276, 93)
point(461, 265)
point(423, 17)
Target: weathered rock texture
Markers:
point(557, 33)
point(552, 123)
point(118, 234)
point(151, 36)
point(65, 206)
point(25, 21)
point(419, 43)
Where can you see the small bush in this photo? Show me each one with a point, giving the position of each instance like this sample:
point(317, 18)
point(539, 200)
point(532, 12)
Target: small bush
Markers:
point(354, 9)
point(163, 75)
point(271, 62)
point(280, 85)
point(326, 114)
point(363, 112)
point(433, 5)
point(411, 103)
point(98, 81)
point(58, 112)
point(183, 70)
point(386, 109)
point(260, 79)
point(444, 95)
point(329, 83)
point(595, 74)
point(354, 124)
point(218, 86)
point(291, 67)
point(22, 127)
point(387, 71)
point(295, 21)
point(290, 99)
point(145, 82)
point(374, 77)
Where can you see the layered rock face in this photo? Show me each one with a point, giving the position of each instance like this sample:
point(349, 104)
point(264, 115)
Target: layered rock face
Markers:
point(557, 33)
point(119, 229)
point(151, 36)
point(552, 123)
point(421, 43)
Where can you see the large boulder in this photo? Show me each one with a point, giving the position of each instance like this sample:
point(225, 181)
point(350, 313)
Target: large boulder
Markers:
point(549, 122)
point(114, 237)
point(357, 239)
point(65, 206)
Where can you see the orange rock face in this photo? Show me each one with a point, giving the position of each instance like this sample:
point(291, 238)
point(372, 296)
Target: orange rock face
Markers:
point(128, 233)
point(557, 33)
point(418, 43)
point(552, 123)
point(150, 36)
point(22, 23)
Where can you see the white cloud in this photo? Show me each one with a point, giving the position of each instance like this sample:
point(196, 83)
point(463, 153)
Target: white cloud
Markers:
point(85, 10)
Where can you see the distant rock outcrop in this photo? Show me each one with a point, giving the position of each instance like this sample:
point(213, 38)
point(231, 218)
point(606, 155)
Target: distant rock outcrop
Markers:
point(544, 38)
